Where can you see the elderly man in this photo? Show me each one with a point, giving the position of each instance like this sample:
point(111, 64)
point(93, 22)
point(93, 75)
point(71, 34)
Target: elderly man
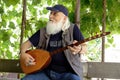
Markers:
point(58, 33)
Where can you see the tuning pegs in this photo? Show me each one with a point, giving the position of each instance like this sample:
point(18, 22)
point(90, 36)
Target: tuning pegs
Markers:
point(96, 36)
point(89, 38)
point(97, 33)
point(104, 33)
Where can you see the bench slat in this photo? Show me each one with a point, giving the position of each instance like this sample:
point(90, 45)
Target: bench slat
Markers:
point(9, 65)
point(104, 70)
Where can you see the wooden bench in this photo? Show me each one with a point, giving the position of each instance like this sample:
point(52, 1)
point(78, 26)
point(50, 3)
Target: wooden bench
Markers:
point(9, 65)
point(90, 69)
point(108, 70)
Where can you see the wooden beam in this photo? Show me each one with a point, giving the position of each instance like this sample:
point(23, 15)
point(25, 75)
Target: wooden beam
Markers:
point(104, 70)
point(9, 65)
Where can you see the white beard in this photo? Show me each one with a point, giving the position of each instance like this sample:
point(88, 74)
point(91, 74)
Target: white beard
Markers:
point(53, 28)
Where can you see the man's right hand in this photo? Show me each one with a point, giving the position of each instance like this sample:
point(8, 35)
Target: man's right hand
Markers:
point(28, 59)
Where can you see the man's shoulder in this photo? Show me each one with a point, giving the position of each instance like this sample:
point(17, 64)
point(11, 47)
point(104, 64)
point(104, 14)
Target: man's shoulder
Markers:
point(42, 31)
point(72, 25)
point(43, 28)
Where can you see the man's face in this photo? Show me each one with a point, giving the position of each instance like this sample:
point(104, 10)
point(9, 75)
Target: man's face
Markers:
point(56, 22)
point(56, 16)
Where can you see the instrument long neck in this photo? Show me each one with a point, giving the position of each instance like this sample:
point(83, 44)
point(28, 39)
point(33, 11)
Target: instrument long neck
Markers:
point(80, 42)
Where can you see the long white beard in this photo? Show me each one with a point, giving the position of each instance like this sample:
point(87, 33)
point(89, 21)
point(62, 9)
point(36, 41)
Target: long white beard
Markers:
point(53, 28)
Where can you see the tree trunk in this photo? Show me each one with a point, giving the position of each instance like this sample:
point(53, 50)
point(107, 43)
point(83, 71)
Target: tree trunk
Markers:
point(23, 25)
point(77, 13)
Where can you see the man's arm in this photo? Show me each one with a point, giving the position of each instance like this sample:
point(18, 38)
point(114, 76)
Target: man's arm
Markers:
point(28, 59)
point(25, 46)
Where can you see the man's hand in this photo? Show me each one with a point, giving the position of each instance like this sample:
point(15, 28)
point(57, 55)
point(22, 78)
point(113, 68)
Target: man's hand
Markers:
point(75, 49)
point(78, 49)
point(28, 59)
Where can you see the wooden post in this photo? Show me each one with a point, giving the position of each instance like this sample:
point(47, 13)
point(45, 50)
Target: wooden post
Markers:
point(103, 29)
point(23, 25)
point(77, 13)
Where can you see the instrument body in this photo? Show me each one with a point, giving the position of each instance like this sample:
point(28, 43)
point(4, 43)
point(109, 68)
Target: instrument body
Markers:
point(42, 59)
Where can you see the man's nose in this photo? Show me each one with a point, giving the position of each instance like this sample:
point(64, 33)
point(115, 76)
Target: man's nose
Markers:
point(51, 17)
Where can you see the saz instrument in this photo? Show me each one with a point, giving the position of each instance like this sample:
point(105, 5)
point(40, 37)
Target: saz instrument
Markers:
point(43, 57)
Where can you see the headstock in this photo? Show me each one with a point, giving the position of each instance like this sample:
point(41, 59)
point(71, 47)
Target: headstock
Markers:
point(91, 38)
point(98, 36)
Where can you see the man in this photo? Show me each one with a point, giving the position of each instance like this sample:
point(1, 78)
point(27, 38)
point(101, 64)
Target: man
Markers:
point(58, 33)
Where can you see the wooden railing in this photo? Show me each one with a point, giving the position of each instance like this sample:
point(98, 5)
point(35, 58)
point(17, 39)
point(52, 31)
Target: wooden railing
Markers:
point(108, 70)
point(90, 69)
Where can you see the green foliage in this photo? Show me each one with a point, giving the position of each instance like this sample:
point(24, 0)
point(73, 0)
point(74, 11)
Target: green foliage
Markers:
point(1, 10)
point(94, 48)
point(35, 2)
point(12, 25)
point(10, 2)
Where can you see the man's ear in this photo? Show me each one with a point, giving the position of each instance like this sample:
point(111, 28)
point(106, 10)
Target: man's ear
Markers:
point(65, 17)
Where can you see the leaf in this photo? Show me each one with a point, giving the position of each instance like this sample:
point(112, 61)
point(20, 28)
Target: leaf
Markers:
point(1, 10)
point(11, 2)
point(35, 2)
point(32, 10)
point(71, 16)
point(12, 14)
point(5, 36)
point(110, 40)
point(49, 2)
point(85, 2)
point(3, 23)
point(45, 11)
point(12, 25)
